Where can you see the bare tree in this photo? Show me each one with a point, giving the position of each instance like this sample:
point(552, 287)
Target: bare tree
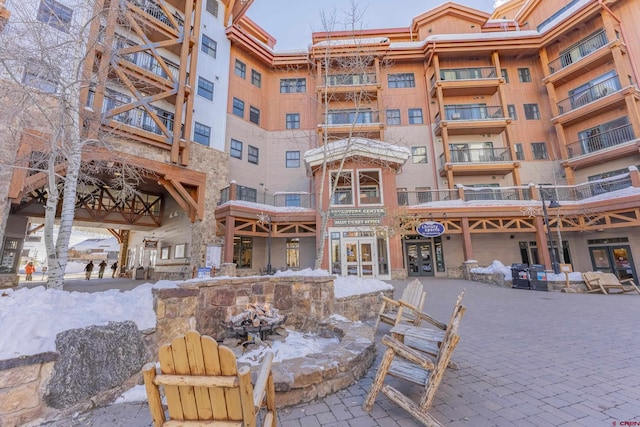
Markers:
point(46, 49)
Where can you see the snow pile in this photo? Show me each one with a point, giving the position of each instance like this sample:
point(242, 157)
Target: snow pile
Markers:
point(297, 344)
point(498, 267)
point(353, 285)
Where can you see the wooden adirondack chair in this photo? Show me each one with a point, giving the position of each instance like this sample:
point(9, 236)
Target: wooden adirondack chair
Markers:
point(393, 312)
point(416, 366)
point(598, 281)
point(203, 386)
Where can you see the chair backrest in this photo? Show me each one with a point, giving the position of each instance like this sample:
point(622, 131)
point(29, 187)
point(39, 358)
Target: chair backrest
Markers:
point(414, 294)
point(591, 279)
point(201, 383)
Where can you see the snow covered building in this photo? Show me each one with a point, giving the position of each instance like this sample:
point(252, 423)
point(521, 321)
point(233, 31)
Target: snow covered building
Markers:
point(399, 152)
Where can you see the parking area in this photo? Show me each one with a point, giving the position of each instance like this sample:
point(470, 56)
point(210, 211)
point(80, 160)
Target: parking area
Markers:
point(525, 358)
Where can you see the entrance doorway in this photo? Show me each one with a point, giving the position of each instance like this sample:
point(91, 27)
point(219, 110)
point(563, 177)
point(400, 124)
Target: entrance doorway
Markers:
point(419, 258)
point(613, 259)
point(359, 257)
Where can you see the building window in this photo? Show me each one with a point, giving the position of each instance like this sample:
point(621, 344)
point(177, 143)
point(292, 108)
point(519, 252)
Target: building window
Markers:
point(236, 149)
point(539, 151)
point(242, 251)
point(253, 154)
point(238, 107)
point(209, 46)
point(292, 200)
point(293, 85)
point(293, 121)
point(423, 194)
point(505, 75)
point(205, 88)
point(40, 78)
point(524, 75)
point(55, 14)
point(240, 69)
point(393, 117)
point(401, 80)
point(293, 159)
point(419, 154)
point(10, 257)
point(511, 108)
point(415, 116)
point(531, 112)
point(519, 151)
point(212, 7)
point(201, 133)
point(256, 78)
point(369, 187)
point(293, 252)
point(343, 184)
point(254, 115)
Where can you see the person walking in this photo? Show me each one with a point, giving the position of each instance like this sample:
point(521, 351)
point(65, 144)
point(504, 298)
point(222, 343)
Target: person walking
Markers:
point(102, 266)
point(88, 269)
point(29, 269)
point(114, 268)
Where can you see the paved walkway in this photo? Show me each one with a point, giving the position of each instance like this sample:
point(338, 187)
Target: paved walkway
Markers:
point(525, 358)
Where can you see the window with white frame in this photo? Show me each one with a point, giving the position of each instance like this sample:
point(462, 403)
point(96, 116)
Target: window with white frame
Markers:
point(293, 159)
point(235, 150)
point(369, 189)
point(293, 121)
point(205, 88)
point(238, 107)
point(201, 133)
point(343, 183)
point(55, 14)
point(401, 80)
point(393, 117)
point(254, 115)
point(419, 154)
point(209, 46)
point(253, 154)
point(39, 77)
point(240, 69)
point(415, 116)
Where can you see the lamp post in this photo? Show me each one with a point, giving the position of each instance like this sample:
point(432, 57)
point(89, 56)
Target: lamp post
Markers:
point(553, 203)
point(265, 219)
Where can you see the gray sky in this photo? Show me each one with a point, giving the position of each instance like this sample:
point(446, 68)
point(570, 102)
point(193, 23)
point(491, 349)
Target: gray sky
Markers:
point(291, 22)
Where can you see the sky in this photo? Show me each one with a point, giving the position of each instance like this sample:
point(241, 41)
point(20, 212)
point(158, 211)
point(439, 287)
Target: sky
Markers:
point(291, 22)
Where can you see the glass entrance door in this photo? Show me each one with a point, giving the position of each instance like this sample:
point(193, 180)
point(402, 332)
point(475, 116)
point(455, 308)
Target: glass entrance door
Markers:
point(359, 257)
point(613, 259)
point(419, 258)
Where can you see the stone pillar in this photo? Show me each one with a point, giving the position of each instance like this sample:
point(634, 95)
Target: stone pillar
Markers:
point(228, 269)
point(467, 266)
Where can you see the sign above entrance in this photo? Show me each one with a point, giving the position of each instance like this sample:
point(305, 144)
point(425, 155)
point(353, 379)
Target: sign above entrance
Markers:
point(430, 229)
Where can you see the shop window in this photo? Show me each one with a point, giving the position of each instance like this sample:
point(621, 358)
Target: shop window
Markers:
point(293, 252)
point(10, 256)
point(343, 184)
point(242, 251)
point(369, 188)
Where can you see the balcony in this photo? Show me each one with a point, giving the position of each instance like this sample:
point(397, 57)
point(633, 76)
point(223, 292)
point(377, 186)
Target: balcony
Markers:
point(472, 120)
point(590, 94)
point(592, 102)
point(279, 199)
point(159, 26)
point(603, 146)
point(466, 81)
point(341, 85)
point(343, 122)
point(581, 58)
point(478, 161)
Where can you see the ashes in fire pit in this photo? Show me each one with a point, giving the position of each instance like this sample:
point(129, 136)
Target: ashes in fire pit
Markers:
point(256, 320)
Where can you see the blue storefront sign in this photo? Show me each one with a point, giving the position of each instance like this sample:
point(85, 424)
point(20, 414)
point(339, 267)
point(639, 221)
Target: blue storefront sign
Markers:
point(430, 229)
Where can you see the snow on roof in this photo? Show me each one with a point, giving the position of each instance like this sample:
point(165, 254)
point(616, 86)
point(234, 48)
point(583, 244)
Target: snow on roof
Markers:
point(563, 16)
point(109, 244)
point(264, 206)
point(352, 41)
point(357, 146)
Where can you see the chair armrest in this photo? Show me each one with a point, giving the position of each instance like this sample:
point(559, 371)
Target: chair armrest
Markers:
point(389, 300)
point(408, 353)
point(627, 280)
point(422, 315)
point(260, 388)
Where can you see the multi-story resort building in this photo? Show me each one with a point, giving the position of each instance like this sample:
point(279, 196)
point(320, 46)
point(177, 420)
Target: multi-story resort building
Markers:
point(386, 153)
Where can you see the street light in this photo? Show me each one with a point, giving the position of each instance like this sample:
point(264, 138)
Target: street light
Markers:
point(553, 203)
point(265, 219)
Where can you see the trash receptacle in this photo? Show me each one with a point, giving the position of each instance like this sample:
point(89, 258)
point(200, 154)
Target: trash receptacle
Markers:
point(140, 273)
point(538, 278)
point(520, 276)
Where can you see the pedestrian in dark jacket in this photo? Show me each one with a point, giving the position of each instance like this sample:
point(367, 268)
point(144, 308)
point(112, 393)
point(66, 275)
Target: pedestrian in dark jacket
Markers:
point(88, 269)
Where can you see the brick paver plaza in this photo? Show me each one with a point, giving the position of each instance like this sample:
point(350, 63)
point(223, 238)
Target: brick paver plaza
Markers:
point(525, 358)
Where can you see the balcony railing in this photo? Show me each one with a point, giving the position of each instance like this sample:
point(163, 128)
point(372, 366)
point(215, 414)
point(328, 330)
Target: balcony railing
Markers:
point(601, 141)
point(278, 199)
point(156, 11)
point(349, 79)
point(478, 155)
point(579, 51)
point(147, 61)
point(351, 117)
point(474, 112)
point(412, 198)
point(588, 189)
point(589, 95)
